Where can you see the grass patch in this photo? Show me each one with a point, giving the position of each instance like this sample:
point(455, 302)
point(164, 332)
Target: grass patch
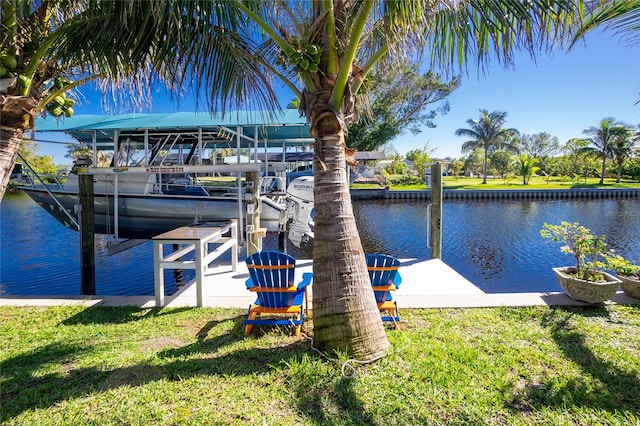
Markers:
point(536, 182)
point(100, 365)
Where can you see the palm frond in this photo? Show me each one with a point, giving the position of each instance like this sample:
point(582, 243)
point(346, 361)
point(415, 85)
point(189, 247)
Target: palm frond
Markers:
point(623, 17)
point(485, 30)
point(178, 43)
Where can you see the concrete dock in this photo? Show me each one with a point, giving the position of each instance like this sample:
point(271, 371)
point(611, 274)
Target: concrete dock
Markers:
point(425, 284)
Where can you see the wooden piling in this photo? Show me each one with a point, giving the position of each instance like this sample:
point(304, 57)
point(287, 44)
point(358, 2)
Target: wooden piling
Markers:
point(435, 233)
point(87, 235)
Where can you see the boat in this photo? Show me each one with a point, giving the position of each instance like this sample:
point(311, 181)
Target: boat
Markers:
point(155, 181)
point(144, 208)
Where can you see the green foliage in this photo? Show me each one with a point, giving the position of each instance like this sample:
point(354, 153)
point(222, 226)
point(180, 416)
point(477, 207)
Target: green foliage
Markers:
point(399, 98)
point(578, 241)
point(501, 161)
point(421, 161)
point(405, 181)
point(621, 265)
point(41, 164)
point(397, 165)
point(631, 168)
point(488, 133)
point(539, 145)
point(455, 167)
point(526, 167)
point(76, 151)
point(579, 160)
point(604, 138)
point(473, 163)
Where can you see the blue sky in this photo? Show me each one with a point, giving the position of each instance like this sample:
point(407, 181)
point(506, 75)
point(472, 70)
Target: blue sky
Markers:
point(561, 94)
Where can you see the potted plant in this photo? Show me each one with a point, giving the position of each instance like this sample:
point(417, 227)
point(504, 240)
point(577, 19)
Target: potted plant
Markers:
point(585, 281)
point(627, 271)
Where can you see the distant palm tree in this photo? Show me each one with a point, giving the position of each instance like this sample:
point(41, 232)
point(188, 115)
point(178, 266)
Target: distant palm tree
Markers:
point(488, 134)
point(527, 166)
point(622, 148)
point(602, 137)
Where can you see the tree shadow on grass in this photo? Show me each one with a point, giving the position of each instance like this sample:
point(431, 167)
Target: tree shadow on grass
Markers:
point(336, 403)
point(118, 314)
point(28, 384)
point(603, 385)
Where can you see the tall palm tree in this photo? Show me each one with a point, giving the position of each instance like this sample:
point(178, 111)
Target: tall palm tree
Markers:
point(322, 50)
point(602, 137)
point(487, 133)
point(621, 148)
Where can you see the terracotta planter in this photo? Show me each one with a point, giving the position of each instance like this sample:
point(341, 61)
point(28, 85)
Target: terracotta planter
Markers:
point(630, 286)
point(586, 291)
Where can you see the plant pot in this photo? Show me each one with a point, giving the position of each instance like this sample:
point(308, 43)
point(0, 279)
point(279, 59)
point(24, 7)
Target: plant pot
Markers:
point(630, 285)
point(586, 291)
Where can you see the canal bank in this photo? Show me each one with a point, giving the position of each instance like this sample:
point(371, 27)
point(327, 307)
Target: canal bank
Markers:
point(497, 194)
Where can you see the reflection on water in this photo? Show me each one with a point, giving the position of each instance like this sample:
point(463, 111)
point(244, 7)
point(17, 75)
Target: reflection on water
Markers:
point(494, 244)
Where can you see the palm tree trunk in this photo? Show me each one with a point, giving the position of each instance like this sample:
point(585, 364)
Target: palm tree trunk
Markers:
point(604, 162)
point(619, 172)
point(15, 118)
point(345, 313)
point(484, 179)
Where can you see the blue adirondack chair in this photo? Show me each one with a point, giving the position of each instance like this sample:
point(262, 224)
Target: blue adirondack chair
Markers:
point(272, 279)
point(385, 278)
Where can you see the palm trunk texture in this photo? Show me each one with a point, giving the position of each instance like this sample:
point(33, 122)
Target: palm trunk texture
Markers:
point(345, 313)
point(15, 117)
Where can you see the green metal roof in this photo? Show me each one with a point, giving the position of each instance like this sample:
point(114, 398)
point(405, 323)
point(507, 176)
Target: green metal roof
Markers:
point(277, 129)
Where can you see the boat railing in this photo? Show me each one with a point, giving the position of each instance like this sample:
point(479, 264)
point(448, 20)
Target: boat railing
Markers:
point(33, 176)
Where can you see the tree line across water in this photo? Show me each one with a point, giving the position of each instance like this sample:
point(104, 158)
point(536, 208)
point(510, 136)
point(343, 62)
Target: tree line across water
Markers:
point(610, 149)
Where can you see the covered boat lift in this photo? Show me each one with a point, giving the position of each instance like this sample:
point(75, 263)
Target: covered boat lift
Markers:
point(154, 134)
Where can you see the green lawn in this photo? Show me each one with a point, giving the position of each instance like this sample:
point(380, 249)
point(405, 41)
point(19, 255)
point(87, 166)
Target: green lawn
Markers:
point(536, 182)
point(132, 366)
point(449, 182)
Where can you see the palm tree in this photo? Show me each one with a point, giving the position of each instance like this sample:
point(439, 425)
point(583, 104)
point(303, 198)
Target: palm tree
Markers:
point(487, 133)
point(621, 148)
point(49, 47)
point(323, 51)
point(527, 166)
point(602, 137)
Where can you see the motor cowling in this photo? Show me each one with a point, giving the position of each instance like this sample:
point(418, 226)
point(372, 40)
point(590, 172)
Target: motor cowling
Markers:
point(300, 209)
point(301, 188)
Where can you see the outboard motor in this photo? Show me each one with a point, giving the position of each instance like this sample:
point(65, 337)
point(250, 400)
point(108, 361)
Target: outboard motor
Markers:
point(300, 209)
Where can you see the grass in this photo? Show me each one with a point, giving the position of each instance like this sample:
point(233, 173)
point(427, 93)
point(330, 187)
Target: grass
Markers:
point(536, 182)
point(517, 366)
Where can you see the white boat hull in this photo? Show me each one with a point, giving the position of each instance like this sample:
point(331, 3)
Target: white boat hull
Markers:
point(140, 216)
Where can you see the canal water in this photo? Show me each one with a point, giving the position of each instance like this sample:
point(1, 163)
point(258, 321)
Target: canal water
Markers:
point(494, 244)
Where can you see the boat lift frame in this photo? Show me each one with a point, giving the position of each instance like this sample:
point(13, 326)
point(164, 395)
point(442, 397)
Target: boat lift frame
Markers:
point(201, 130)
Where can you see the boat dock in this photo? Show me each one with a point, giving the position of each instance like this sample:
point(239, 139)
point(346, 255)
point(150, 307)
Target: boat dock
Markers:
point(426, 283)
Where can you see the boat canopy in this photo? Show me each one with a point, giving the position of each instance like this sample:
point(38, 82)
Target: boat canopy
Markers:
point(276, 129)
point(287, 157)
